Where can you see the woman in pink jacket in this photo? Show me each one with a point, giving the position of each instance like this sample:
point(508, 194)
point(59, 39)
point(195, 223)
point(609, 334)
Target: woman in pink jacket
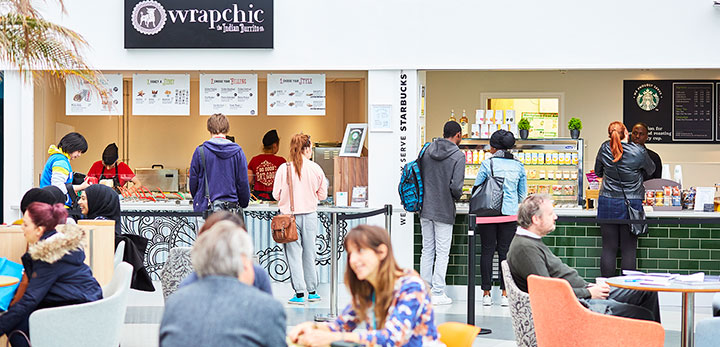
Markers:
point(309, 186)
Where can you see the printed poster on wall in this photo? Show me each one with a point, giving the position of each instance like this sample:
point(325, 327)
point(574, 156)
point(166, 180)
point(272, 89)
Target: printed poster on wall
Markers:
point(82, 100)
point(161, 95)
point(231, 95)
point(296, 94)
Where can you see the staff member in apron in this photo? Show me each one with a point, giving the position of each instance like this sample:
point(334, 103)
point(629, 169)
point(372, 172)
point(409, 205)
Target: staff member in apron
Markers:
point(112, 169)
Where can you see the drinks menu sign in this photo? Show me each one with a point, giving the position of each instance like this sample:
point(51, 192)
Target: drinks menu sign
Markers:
point(229, 94)
point(82, 100)
point(161, 95)
point(198, 24)
point(296, 94)
point(680, 111)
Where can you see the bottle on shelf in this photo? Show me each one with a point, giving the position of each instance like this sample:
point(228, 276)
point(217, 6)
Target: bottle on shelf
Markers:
point(465, 126)
point(452, 116)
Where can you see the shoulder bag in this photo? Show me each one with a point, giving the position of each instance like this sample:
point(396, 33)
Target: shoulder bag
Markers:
point(487, 197)
point(633, 214)
point(284, 229)
point(208, 209)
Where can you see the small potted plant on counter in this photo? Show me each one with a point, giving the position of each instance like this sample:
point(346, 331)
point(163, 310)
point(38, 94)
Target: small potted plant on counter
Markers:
point(574, 125)
point(524, 128)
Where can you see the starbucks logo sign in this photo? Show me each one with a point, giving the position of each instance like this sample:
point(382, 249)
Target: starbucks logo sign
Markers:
point(648, 96)
point(148, 17)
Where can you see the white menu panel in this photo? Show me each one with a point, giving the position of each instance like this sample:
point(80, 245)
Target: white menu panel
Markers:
point(296, 94)
point(229, 94)
point(161, 95)
point(82, 100)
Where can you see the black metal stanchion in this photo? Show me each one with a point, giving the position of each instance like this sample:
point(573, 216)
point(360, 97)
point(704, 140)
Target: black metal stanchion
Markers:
point(471, 270)
point(388, 218)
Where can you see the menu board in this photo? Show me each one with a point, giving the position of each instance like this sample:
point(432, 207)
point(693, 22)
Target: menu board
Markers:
point(161, 94)
point(296, 94)
point(81, 99)
point(229, 94)
point(693, 111)
point(542, 125)
point(717, 111)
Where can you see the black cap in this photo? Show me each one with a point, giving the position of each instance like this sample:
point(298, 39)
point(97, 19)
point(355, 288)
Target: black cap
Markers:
point(502, 139)
point(270, 138)
point(36, 195)
point(110, 154)
point(60, 197)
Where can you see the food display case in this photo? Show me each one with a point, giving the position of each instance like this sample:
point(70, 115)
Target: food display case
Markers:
point(552, 166)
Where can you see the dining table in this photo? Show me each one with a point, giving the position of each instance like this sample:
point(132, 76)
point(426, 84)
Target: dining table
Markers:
point(687, 289)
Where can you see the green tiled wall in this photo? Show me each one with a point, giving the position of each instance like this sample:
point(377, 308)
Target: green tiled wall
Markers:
point(667, 248)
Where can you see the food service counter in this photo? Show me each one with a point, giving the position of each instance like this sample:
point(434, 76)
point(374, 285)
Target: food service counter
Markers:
point(174, 224)
point(686, 242)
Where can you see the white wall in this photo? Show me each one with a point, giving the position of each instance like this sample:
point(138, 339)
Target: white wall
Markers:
point(425, 34)
point(18, 142)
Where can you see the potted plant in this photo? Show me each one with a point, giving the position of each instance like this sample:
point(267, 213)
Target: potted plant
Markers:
point(524, 128)
point(574, 125)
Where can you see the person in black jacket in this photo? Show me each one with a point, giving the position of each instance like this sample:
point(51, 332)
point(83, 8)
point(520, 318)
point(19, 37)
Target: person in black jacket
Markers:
point(54, 265)
point(640, 136)
point(622, 165)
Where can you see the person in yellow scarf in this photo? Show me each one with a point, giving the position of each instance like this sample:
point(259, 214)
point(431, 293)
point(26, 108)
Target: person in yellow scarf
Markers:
point(57, 171)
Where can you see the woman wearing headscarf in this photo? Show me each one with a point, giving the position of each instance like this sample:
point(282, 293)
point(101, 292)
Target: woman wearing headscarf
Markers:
point(497, 236)
point(102, 202)
point(112, 169)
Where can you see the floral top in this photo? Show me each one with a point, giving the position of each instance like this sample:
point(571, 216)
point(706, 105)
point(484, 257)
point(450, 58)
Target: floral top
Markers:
point(410, 320)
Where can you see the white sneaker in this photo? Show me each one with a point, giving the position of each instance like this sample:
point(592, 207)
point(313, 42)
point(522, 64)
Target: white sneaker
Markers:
point(441, 299)
point(504, 301)
point(487, 300)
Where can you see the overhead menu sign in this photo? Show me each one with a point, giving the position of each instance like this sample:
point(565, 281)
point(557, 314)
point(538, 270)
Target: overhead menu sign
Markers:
point(679, 111)
point(198, 24)
point(693, 111)
point(229, 94)
point(296, 94)
point(161, 95)
point(82, 100)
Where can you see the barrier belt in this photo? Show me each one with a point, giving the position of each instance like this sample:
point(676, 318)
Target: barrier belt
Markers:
point(662, 221)
point(342, 216)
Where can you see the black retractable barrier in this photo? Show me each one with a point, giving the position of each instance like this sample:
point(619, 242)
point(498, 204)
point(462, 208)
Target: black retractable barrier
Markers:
point(334, 217)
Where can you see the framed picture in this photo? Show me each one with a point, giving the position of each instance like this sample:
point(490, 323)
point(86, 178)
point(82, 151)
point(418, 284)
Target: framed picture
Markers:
point(353, 140)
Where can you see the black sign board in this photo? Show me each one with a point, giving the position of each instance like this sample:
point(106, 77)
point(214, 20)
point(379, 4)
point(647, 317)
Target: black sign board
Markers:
point(682, 111)
point(198, 24)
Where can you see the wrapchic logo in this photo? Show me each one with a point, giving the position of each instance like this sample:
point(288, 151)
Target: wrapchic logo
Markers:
point(148, 17)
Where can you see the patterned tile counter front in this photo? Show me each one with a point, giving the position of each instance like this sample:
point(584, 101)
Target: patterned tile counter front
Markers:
point(676, 248)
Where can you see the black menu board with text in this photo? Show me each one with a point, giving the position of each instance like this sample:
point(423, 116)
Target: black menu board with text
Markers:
point(693, 111)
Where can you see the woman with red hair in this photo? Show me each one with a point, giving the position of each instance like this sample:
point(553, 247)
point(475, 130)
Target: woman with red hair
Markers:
point(622, 166)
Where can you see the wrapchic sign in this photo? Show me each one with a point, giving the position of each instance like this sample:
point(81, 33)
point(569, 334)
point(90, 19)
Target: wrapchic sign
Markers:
point(198, 24)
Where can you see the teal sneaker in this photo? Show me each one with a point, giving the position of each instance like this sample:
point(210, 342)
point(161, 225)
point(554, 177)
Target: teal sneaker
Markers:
point(297, 301)
point(313, 297)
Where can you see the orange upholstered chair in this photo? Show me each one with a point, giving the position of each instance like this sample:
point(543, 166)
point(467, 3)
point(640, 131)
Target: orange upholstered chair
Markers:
point(454, 334)
point(560, 320)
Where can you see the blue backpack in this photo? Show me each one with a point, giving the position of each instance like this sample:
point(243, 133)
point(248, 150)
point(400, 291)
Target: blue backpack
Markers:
point(411, 186)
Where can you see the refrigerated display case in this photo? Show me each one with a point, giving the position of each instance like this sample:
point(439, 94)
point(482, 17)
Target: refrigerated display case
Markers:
point(552, 166)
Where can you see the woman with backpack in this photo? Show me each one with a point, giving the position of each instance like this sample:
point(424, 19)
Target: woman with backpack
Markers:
point(497, 236)
point(309, 186)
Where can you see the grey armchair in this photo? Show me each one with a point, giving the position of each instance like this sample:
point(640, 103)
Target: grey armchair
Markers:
point(520, 311)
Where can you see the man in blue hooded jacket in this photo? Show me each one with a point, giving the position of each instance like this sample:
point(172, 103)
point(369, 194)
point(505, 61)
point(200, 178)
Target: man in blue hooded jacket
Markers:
point(224, 166)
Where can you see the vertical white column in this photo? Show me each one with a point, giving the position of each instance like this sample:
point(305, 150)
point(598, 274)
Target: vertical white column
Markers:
point(18, 142)
point(390, 151)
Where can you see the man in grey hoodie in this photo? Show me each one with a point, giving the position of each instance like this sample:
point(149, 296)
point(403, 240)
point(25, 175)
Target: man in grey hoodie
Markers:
point(442, 168)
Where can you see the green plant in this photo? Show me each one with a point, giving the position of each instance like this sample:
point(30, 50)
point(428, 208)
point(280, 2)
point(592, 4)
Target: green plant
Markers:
point(524, 124)
point(575, 124)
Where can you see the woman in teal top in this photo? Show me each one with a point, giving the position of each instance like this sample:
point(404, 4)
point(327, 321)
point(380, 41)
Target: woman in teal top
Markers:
point(497, 236)
point(57, 171)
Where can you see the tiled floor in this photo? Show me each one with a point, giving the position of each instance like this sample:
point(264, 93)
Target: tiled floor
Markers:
point(145, 313)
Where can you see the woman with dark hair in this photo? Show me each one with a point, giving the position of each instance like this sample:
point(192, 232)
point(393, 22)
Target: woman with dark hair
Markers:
point(622, 165)
point(54, 265)
point(498, 235)
point(57, 171)
point(309, 186)
point(50, 195)
point(102, 202)
point(393, 303)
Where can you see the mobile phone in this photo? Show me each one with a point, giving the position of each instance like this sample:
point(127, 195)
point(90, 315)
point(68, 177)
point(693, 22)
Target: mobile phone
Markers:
point(346, 344)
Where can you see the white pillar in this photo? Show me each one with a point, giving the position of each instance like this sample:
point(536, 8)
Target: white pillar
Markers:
point(390, 151)
point(18, 142)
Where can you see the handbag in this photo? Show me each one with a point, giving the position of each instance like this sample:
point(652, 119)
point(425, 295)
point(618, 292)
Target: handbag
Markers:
point(12, 269)
point(284, 229)
point(487, 197)
point(633, 214)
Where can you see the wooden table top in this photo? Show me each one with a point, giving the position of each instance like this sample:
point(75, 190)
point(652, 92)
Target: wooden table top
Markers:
point(6, 281)
point(635, 282)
